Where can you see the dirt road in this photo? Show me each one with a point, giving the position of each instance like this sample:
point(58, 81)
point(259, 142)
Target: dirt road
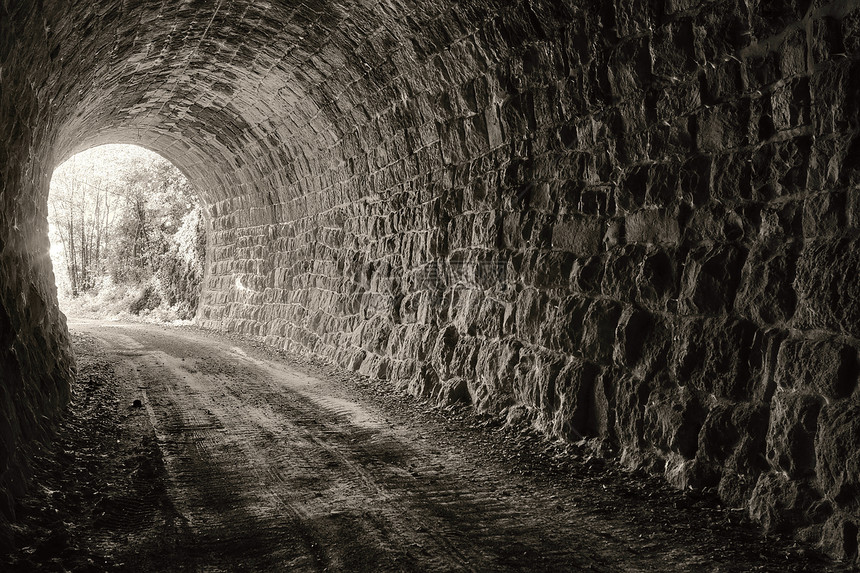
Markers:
point(269, 468)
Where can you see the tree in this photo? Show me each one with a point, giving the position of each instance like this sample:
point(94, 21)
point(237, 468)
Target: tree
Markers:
point(81, 209)
point(128, 215)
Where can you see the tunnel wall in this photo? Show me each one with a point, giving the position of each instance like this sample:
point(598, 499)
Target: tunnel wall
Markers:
point(36, 364)
point(634, 224)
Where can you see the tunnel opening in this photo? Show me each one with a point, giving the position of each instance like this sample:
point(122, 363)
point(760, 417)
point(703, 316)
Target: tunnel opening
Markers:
point(127, 235)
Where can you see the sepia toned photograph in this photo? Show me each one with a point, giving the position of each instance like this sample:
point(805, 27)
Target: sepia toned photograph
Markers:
point(429, 286)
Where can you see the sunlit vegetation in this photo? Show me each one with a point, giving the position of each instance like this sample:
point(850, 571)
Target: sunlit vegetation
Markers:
point(127, 234)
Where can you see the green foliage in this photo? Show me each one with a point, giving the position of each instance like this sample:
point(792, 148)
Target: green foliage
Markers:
point(126, 217)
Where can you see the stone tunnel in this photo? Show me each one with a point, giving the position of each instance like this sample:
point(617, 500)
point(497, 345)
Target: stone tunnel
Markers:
point(631, 223)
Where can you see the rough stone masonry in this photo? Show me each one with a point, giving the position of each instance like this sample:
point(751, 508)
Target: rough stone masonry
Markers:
point(632, 222)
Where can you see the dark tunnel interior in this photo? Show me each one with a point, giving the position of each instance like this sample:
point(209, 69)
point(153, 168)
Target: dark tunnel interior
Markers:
point(635, 223)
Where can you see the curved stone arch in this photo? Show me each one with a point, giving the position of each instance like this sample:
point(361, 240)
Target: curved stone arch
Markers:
point(197, 169)
point(370, 157)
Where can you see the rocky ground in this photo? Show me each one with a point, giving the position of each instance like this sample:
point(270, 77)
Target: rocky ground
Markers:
point(237, 457)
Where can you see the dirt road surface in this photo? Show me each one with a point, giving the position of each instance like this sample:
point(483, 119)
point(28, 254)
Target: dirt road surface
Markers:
point(240, 459)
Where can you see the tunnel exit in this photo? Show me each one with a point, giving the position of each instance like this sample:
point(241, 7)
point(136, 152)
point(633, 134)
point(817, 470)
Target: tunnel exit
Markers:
point(127, 235)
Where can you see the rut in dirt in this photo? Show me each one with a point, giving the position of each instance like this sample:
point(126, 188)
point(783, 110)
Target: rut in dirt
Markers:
point(267, 468)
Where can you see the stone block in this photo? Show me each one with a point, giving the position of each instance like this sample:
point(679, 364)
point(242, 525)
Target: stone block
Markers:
point(771, 18)
point(511, 231)
point(600, 324)
point(762, 125)
point(849, 34)
point(530, 313)
point(643, 341)
point(790, 103)
point(490, 318)
point(620, 272)
point(722, 28)
point(723, 81)
point(827, 288)
point(678, 100)
point(695, 179)
point(824, 367)
point(587, 274)
point(714, 224)
point(780, 222)
point(544, 394)
point(732, 176)
point(574, 391)
point(837, 451)
point(765, 294)
point(602, 416)
point(631, 396)
point(791, 434)
point(631, 193)
point(732, 439)
point(781, 504)
point(782, 168)
point(825, 213)
point(582, 236)
point(493, 127)
point(717, 357)
point(630, 68)
point(826, 39)
point(674, 48)
point(653, 226)
point(711, 277)
point(464, 358)
point(444, 352)
point(722, 127)
point(849, 171)
point(633, 18)
point(672, 421)
point(567, 328)
point(553, 270)
point(840, 538)
point(793, 51)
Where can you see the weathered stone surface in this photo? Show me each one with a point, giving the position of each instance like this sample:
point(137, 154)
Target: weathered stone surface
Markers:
point(711, 278)
point(733, 440)
point(716, 356)
point(582, 237)
point(635, 222)
point(791, 435)
point(827, 367)
point(827, 286)
point(653, 226)
point(574, 400)
point(781, 503)
point(673, 419)
point(766, 294)
point(836, 450)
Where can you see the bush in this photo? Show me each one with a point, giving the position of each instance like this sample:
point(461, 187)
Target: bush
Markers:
point(147, 299)
point(180, 269)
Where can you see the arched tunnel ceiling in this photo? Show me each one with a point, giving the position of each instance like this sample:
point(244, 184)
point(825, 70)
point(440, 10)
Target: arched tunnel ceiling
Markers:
point(668, 189)
point(245, 97)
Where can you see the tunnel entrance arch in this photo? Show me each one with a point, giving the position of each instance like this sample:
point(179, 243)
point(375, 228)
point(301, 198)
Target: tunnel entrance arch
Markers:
point(127, 234)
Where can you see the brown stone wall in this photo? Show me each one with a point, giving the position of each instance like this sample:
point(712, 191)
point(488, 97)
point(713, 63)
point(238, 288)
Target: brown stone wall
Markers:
point(631, 222)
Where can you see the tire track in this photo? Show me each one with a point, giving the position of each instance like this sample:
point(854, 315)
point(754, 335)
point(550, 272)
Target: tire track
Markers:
point(272, 469)
point(258, 454)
